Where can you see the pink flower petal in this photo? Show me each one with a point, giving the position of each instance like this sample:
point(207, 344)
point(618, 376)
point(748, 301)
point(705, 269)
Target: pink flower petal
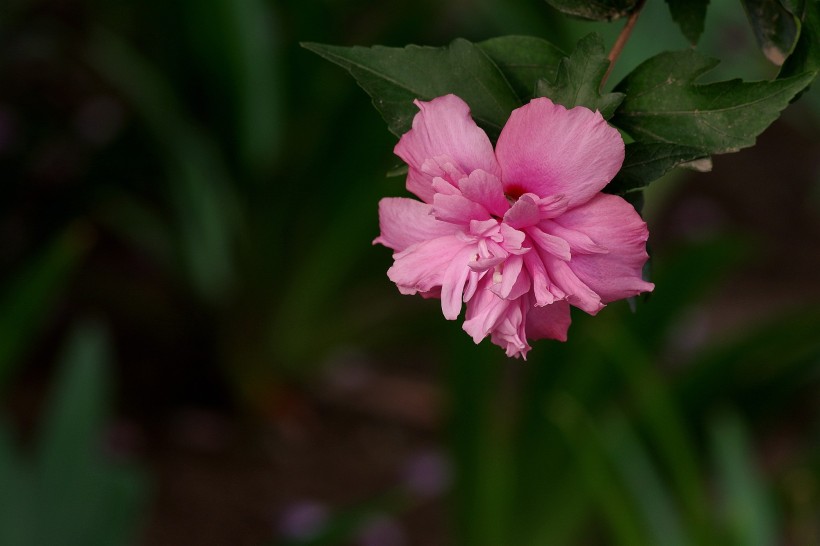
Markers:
point(511, 281)
point(577, 293)
point(443, 127)
point(421, 267)
point(579, 243)
point(455, 278)
point(549, 150)
point(442, 186)
point(549, 321)
point(485, 188)
point(405, 222)
point(513, 239)
point(524, 213)
point(613, 223)
point(552, 206)
point(541, 285)
point(457, 209)
point(510, 331)
point(484, 311)
point(556, 246)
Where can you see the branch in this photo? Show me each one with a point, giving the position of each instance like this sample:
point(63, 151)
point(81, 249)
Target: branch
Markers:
point(623, 37)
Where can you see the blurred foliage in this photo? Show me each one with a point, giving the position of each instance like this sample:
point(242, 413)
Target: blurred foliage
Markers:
point(66, 492)
point(187, 173)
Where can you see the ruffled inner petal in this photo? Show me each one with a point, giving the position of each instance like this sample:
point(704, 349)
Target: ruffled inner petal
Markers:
point(524, 213)
point(485, 188)
point(457, 209)
point(443, 128)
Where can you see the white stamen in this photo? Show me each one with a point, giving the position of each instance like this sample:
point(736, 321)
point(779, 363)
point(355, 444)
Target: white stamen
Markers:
point(497, 276)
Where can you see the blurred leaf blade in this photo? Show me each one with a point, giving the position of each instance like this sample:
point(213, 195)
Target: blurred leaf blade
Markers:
point(32, 293)
point(595, 469)
point(665, 422)
point(86, 500)
point(236, 43)
point(18, 516)
point(200, 185)
point(647, 488)
point(747, 506)
point(481, 456)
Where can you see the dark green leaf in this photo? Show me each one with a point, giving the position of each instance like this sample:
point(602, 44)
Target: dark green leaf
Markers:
point(806, 54)
point(523, 60)
point(200, 187)
point(599, 477)
point(394, 77)
point(647, 162)
point(775, 27)
point(690, 16)
point(235, 44)
point(82, 498)
point(595, 10)
point(33, 291)
point(747, 505)
point(651, 495)
point(18, 514)
point(664, 104)
point(636, 199)
point(579, 78)
point(70, 436)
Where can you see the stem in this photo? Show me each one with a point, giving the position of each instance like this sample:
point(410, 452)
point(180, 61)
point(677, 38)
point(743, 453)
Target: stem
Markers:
point(619, 44)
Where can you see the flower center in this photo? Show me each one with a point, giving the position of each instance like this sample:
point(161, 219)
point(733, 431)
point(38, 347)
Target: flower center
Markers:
point(512, 192)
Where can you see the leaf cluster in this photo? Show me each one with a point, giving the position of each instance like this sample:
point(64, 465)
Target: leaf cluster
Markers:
point(671, 118)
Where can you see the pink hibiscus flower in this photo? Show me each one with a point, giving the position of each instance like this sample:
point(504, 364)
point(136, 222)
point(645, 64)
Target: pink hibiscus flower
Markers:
point(518, 233)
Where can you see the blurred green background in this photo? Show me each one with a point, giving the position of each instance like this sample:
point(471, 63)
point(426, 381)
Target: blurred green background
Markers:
point(199, 345)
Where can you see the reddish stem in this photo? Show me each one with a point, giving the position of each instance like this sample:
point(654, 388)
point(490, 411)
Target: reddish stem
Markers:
point(623, 37)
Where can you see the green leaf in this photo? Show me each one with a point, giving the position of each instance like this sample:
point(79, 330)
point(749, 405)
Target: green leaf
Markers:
point(653, 498)
point(775, 27)
point(579, 78)
point(394, 77)
point(598, 475)
point(235, 43)
point(481, 451)
point(690, 16)
point(664, 104)
point(200, 187)
point(81, 497)
point(806, 54)
point(663, 418)
point(18, 515)
point(595, 10)
point(644, 163)
point(32, 292)
point(523, 60)
point(747, 504)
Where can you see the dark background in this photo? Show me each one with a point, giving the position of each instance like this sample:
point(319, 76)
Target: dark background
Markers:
point(199, 345)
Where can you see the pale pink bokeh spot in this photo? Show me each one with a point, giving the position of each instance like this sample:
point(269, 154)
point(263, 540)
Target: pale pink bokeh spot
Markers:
point(518, 233)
